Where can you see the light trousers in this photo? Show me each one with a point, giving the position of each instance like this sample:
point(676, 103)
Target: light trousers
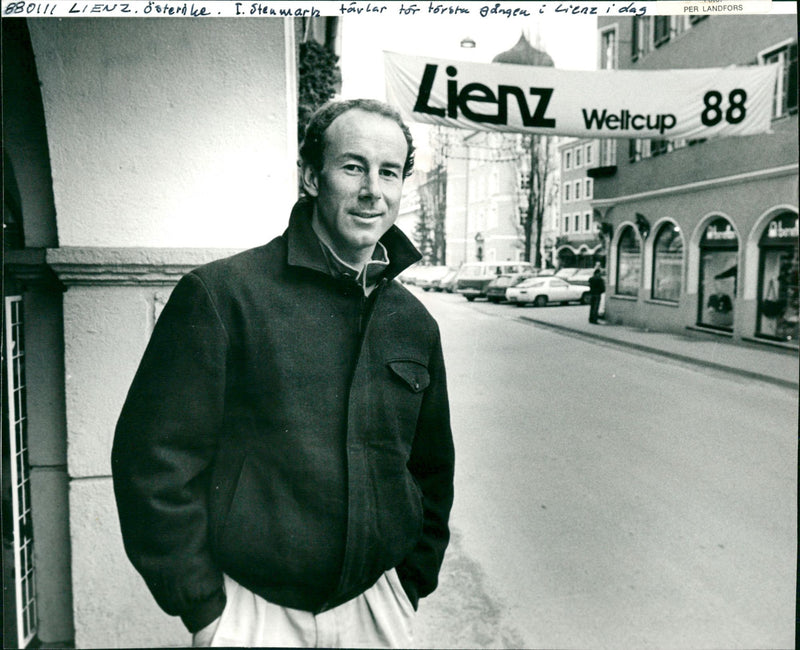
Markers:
point(381, 617)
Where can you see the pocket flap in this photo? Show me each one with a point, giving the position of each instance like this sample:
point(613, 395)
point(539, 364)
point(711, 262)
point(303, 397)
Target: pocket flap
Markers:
point(413, 373)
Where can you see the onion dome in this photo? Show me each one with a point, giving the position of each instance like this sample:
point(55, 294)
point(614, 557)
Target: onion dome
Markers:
point(523, 53)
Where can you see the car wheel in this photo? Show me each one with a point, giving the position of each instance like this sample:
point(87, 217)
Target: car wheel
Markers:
point(470, 298)
point(541, 301)
point(585, 298)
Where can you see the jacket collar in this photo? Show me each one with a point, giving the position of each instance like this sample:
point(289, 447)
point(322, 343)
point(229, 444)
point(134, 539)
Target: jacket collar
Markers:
point(305, 248)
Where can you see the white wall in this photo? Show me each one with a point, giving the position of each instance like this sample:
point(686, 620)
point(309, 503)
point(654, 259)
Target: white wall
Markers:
point(168, 132)
point(172, 141)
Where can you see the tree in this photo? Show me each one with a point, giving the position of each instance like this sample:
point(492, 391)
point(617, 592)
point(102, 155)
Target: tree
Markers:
point(539, 151)
point(423, 230)
point(319, 79)
point(430, 230)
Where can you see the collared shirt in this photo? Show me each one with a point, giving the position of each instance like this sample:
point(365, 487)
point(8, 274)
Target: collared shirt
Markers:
point(369, 275)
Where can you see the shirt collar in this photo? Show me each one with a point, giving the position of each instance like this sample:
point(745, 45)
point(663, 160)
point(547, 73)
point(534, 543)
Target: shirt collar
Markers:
point(394, 251)
point(369, 275)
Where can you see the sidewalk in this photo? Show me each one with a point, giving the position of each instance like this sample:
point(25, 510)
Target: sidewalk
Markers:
point(752, 360)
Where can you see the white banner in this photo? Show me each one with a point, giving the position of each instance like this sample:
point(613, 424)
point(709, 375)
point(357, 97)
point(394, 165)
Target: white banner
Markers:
point(666, 104)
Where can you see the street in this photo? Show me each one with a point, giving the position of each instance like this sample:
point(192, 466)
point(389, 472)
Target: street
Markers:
point(608, 499)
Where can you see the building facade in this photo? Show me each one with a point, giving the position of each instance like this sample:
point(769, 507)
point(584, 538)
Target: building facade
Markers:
point(703, 234)
point(578, 243)
point(483, 197)
point(134, 150)
point(488, 183)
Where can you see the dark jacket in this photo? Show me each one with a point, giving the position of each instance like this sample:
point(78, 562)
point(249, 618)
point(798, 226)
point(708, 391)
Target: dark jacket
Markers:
point(286, 430)
point(596, 285)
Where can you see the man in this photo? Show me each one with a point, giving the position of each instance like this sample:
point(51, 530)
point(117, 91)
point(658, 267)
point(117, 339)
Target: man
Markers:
point(596, 288)
point(283, 464)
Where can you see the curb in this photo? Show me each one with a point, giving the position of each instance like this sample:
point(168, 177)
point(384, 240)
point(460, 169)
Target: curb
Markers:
point(749, 374)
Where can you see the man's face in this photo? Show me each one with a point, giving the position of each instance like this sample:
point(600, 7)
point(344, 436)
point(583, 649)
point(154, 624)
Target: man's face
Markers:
point(358, 189)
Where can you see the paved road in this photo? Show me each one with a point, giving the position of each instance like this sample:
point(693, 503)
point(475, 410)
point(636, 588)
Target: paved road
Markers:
point(607, 499)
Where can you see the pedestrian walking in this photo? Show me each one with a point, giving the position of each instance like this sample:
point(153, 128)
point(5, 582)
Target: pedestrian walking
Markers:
point(596, 289)
point(283, 464)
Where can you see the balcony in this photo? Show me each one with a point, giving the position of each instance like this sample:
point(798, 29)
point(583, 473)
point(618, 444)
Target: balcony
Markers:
point(602, 172)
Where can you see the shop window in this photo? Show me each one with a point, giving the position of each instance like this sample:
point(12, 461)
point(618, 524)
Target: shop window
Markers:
point(667, 263)
point(16, 476)
point(778, 280)
point(719, 248)
point(566, 258)
point(785, 98)
point(629, 261)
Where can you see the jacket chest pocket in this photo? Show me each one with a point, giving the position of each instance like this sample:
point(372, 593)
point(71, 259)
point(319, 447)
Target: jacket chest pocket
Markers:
point(411, 373)
point(395, 416)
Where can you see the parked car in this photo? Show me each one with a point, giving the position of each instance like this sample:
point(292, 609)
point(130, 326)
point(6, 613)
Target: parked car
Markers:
point(448, 282)
point(567, 272)
point(496, 291)
point(581, 276)
point(474, 278)
point(429, 276)
point(541, 291)
point(410, 275)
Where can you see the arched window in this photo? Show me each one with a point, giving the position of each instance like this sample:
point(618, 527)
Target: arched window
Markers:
point(778, 303)
point(719, 251)
point(629, 262)
point(667, 263)
point(566, 258)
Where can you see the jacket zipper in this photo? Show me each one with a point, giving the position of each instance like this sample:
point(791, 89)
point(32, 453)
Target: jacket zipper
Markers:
point(363, 321)
point(365, 314)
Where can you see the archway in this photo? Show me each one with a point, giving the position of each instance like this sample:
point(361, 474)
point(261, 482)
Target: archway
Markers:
point(718, 274)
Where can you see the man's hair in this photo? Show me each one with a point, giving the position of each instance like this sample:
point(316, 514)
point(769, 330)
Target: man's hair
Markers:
point(313, 147)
